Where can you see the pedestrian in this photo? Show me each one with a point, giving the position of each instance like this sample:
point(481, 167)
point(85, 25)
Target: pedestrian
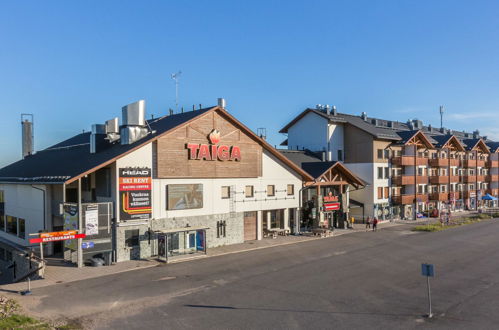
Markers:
point(375, 224)
point(368, 223)
point(352, 220)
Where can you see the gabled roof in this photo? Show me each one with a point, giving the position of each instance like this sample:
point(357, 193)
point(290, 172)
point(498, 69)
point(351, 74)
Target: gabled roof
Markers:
point(68, 160)
point(407, 136)
point(312, 163)
point(494, 146)
point(442, 141)
point(474, 144)
point(377, 132)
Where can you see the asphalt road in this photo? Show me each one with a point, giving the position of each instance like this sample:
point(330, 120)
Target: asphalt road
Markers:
point(357, 281)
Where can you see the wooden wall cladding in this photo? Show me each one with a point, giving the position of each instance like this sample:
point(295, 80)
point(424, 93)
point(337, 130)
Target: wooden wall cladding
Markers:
point(173, 157)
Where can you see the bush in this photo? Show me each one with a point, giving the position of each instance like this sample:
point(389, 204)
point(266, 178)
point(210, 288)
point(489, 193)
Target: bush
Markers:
point(7, 307)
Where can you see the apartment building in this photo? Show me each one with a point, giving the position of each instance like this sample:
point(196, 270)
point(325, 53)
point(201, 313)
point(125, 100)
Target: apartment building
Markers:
point(410, 168)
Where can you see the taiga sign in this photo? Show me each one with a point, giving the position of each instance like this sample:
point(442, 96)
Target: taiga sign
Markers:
point(213, 151)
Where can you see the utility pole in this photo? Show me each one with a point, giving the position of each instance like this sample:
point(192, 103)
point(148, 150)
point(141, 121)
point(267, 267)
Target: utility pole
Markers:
point(441, 116)
point(176, 76)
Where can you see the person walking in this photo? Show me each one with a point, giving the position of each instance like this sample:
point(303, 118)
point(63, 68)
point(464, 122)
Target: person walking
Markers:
point(375, 224)
point(368, 223)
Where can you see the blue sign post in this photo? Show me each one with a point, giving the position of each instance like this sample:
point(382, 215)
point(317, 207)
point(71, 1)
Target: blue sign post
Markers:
point(428, 271)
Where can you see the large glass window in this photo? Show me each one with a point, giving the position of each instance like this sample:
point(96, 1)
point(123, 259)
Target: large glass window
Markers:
point(21, 228)
point(2, 222)
point(11, 225)
point(132, 237)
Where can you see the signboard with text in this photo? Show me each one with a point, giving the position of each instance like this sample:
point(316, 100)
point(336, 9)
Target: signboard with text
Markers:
point(56, 236)
point(135, 193)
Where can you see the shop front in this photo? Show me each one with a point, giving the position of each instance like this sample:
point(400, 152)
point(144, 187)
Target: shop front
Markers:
point(179, 242)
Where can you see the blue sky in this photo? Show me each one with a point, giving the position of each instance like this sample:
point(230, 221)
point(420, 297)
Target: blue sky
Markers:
point(73, 64)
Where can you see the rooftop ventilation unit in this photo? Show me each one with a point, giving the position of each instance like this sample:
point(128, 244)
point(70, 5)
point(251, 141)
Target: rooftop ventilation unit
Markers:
point(27, 134)
point(97, 138)
point(222, 103)
point(335, 113)
point(389, 124)
point(112, 129)
point(134, 122)
point(363, 115)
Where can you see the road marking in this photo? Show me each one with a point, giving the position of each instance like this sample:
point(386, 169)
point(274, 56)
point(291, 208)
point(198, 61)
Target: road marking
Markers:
point(339, 253)
point(166, 278)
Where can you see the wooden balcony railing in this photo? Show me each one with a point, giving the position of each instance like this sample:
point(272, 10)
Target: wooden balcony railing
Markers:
point(454, 162)
point(409, 198)
point(454, 178)
point(480, 163)
point(469, 178)
point(454, 195)
point(439, 162)
point(439, 196)
point(492, 177)
point(480, 178)
point(439, 179)
point(492, 163)
point(409, 160)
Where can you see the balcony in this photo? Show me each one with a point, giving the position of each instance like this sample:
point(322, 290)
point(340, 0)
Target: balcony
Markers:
point(439, 179)
point(453, 195)
point(409, 160)
point(439, 196)
point(492, 163)
point(454, 162)
point(409, 198)
point(480, 178)
point(468, 163)
point(480, 163)
point(492, 177)
point(469, 194)
point(439, 162)
point(402, 180)
point(469, 178)
point(454, 178)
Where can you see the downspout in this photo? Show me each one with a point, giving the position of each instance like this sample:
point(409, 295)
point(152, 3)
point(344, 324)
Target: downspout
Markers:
point(44, 207)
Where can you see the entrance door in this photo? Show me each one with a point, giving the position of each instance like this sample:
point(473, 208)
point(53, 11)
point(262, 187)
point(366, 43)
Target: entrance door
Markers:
point(250, 226)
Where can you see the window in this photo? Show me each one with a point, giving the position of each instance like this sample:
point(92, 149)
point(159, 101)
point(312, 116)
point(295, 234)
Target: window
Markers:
point(21, 224)
point(340, 155)
point(387, 172)
point(225, 192)
point(11, 225)
point(387, 192)
point(387, 153)
point(2, 203)
point(221, 226)
point(2, 222)
point(380, 172)
point(2, 254)
point(291, 189)
point(103, 182)
point(270, 190)
point(249, 191)
point(380, 192)
point(132, 237)
point(380, 153)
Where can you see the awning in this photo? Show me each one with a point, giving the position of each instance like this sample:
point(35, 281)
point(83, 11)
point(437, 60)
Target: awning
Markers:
point(354, 204)
point(179, 230)
point(489, 197)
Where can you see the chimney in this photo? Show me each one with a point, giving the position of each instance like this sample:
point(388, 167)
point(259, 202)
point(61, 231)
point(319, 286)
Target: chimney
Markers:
point(334, 111)
point(134, 122)
point(27, 134)
point(363, 115)
point(328, 109)
point(476, 134)
point(97, 138)
point(221, 103)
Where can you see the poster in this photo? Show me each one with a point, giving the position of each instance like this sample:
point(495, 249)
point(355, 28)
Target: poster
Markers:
point(184, 196)
point(70, 223)
point(92, 220)
point(135, 193)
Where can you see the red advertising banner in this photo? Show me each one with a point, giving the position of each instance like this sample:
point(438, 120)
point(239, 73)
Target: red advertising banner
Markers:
point(331, 206)
point(56, 236)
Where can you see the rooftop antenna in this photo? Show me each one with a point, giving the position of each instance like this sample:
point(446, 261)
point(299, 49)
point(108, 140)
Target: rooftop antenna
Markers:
point(176, 76)
point(441, 116)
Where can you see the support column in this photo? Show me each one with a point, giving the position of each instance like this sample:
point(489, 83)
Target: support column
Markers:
point(286, 219)
point(259, 224)
point(269, 216)
point(297, 221)
point(80, 226)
